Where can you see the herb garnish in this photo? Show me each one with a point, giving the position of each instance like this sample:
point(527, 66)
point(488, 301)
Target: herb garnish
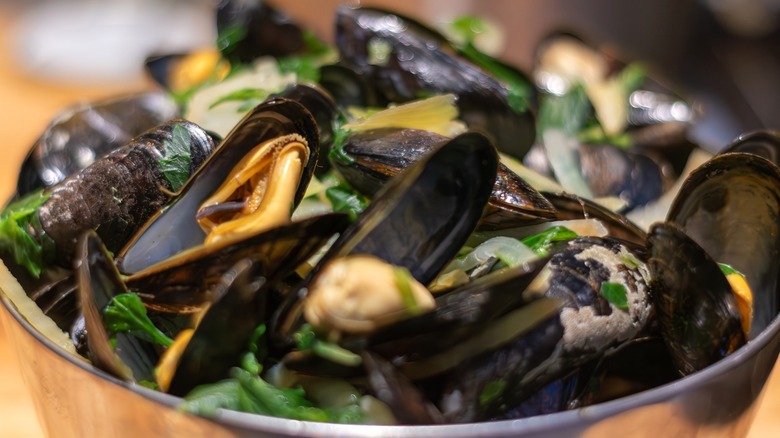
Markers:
point(126, 313)
point(175, 165)
point(615, 293)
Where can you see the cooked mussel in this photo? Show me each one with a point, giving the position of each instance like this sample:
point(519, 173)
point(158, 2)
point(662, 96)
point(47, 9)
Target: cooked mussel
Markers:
point(85, 132)
point(276, 144)
point(729, 206)
point(405, 59)
point(377, 155)
point(445, 192)
point(115, 195)
point(697, 310)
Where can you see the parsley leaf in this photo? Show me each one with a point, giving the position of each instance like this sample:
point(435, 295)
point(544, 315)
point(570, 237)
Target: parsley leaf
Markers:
point(615, 293)
point(127, 314)
point(176, 163)
point(21, 234)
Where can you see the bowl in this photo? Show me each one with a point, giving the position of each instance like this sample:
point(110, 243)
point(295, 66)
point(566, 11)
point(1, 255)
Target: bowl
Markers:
point(73, 398)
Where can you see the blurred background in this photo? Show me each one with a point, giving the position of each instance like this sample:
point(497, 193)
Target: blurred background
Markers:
point(724, 53)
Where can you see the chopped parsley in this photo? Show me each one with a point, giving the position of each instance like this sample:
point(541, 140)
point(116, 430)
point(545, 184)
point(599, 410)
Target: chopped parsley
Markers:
point(615, 293)
point(22, 236)
point(176, 163)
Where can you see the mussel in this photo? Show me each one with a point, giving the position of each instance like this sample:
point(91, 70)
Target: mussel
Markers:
point(85, 132)
point(404, 59)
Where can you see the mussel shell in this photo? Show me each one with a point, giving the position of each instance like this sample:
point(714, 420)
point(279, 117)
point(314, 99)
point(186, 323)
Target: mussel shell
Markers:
point(80, 134)
point(612, 171)
point(764, 143)
point(700, 322)
point(262, 30)
point(429, 210)
point(422, 61)
point(730, 207)
point(570, 207)
point(325, 111)
point(418, 221)
point(118, 193)
point(186, 282)
point(175, 228)
point(225, 329)
point(380, 154)
point(98, 282)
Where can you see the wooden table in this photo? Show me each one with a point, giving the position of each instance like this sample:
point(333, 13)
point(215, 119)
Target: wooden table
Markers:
point(26, 106)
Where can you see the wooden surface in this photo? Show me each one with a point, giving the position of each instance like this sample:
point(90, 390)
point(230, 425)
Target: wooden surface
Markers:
point(26, 106)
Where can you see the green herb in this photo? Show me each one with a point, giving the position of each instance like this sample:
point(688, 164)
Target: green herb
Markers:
point(340, 137)
point(403, 279)
point(306, 340)
point(251, 96)
point(260, 397)
point(335, 353)
point(568, 112)
point(306, 68)
point(632, 77)
point(127, 314)
point(246, 391)
point(175, 165)
point(541, 243)
point(22, 236)
point(520, 90)
point(346, 200)
point(492, 391)
point(729, 270)
point(615, 293)
point(149, 384)
point(229, 37)
point(205, 400)
point(306, 65)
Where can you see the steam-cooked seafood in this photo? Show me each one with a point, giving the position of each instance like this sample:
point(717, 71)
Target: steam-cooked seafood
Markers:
point(390, 265)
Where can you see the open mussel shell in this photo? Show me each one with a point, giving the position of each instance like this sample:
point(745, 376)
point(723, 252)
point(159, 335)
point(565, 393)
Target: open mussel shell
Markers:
point(380, 154)
point(239, 298)
point(428, 211)
point(122, 189)
point(81, 134)
point(98, 282)
point(325, 111)
point(176, 228)
point(697, 310)
point(419, 61)
point(445, 192)
point(186, 281)
point(730, 206)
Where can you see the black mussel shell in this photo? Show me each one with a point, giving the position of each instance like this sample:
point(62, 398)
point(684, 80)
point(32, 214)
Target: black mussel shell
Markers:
point(176, 228)
point(700, 322)
point(85, 132)
point(98, 282)
point(186, 282)
point(764, 143)
point(421, 61)
point(118, 193)
point(323, 107)
point(419, 220)
point(570, 207)
point(730, 207)
point(380, 154)
point(249, 29)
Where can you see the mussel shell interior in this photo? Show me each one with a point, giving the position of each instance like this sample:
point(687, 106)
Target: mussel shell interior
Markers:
point(175, 228)
point(730, 206)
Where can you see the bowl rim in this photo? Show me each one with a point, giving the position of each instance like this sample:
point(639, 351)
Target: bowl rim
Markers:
point(558, 420)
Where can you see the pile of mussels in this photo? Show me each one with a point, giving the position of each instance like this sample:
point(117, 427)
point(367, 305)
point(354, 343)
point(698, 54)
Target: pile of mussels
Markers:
point(432, 278)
